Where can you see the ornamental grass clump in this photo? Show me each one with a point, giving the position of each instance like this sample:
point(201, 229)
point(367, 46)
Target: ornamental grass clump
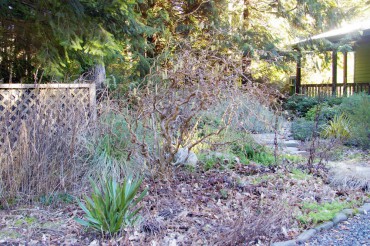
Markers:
point(112, 207)
point(338, 128)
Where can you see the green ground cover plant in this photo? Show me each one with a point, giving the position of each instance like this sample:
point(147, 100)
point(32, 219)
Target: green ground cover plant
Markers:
point(314, 212)
point(210, 161)
point(292, 158)
point(299, 174)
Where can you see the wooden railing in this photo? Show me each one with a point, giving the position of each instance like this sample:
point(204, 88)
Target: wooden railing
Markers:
point(313, 90)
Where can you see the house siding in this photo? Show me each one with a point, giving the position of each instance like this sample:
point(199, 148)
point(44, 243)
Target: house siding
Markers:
point(362, 63)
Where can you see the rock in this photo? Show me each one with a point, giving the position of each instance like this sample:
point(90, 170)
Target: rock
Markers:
point(324, 226)
point(364, 208)
point(348, 211)
point(339, 217)
point(306, 235)
point(185, 157)
point(285, 243)
point(295, 151)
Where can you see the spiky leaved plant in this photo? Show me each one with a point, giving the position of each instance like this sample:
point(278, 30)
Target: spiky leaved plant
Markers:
point(112, 206)
point(339, 128)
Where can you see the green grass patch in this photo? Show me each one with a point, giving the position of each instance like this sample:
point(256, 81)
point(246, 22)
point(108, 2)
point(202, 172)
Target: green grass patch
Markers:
point(314, 212)
point(299, 174)
point(253, 152)
point(293, 158)
point(217, 161)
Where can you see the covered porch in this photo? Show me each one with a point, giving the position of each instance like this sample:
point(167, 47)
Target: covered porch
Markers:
point(356, 36)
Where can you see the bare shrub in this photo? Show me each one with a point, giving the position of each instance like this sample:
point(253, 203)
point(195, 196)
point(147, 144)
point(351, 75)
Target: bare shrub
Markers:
point(41, 153)
point(170, 105)
point(169, 109)
point(257, 225)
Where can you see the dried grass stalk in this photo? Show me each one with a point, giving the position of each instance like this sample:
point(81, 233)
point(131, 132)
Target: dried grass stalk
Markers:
point(40, 153)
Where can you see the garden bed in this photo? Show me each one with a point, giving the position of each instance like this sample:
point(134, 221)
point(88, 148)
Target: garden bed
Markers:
point(246, 205)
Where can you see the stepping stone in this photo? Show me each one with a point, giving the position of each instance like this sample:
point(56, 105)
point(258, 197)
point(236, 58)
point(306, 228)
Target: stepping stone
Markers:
point(365, 208)
point(291, 143)
point(325, 226)
point(348, 211)
point(285, 243)
point(295, 151)
point(339, 217)
point(305, 236)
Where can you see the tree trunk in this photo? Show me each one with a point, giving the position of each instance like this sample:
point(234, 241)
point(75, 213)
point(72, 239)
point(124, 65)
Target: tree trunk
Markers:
point(99, 76)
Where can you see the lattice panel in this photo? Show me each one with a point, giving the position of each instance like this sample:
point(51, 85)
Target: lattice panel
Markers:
point(58, 103)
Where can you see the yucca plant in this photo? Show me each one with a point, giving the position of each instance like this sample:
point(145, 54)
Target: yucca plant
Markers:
point(113, 206)
point(339, 128)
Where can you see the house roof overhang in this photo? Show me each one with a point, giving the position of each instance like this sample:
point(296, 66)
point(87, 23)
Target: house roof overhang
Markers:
point(349, 34)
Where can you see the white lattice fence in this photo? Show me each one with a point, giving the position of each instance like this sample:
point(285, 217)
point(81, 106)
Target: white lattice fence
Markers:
point(58, 102)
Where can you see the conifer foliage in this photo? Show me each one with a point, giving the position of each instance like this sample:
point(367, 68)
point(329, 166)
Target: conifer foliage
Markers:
point(59, 39)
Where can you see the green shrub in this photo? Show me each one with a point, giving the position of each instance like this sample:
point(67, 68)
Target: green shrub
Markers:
point(299, 105)
point(326, 114)
point(338, 128)
point(112, 206)
point(333, 101)
point(356, 108)
point(302, 129)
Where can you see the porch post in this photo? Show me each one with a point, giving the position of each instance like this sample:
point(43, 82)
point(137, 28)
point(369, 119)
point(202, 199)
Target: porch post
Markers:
point(345, 73)
point(298, 75)
point(334, 72)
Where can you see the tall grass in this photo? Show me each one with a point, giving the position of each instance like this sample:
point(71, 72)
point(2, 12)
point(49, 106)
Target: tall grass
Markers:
point(41, 153)
point(110, 148)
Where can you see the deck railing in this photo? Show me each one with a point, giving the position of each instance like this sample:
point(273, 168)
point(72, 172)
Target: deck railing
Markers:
point(341, 89)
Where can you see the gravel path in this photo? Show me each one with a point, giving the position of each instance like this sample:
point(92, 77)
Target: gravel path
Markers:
point(355, 231)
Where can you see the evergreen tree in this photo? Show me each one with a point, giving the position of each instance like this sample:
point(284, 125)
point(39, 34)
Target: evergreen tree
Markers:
point(64, 38)
point(58, 39)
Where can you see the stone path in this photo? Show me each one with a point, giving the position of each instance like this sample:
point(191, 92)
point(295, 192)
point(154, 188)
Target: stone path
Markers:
point(285, 141)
